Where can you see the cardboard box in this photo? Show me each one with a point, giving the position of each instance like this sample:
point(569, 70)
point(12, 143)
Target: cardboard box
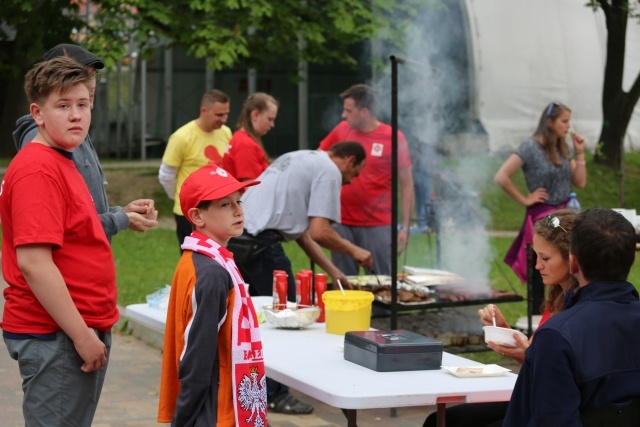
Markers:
point(392, 350)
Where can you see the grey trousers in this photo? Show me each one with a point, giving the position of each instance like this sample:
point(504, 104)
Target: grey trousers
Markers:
point(376, 240)
point(56, 392)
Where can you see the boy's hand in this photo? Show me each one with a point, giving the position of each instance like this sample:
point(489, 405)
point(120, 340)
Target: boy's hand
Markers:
point(92, 351)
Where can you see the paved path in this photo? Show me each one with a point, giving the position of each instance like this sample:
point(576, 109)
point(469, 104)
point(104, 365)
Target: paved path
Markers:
point(130, 394)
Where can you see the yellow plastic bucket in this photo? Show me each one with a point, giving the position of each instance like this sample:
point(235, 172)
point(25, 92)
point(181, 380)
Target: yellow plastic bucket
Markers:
point(348, 312)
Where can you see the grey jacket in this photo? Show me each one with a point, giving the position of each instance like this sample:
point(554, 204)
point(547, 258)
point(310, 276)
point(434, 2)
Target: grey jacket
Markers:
point(113, 218)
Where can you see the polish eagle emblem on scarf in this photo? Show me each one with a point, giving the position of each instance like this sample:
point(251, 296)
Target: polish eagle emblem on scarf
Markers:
point(252, 397)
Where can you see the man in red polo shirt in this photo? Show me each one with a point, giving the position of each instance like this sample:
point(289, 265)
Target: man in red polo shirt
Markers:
point(366, 203)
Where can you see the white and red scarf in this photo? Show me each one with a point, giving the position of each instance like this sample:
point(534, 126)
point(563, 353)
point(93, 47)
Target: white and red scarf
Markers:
point(248, 373)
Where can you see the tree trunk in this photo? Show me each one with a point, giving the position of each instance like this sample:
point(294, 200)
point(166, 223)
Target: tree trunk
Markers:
point(617, 105)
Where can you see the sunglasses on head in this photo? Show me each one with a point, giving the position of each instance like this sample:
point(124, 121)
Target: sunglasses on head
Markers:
point(553, 222)
point(550, 107)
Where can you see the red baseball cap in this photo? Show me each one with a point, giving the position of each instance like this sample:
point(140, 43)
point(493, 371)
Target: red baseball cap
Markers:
point(210, 182)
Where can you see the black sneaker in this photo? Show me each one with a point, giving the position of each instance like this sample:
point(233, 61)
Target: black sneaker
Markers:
point(284, 403)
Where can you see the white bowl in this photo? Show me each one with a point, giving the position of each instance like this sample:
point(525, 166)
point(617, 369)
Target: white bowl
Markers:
point(502, 336)
point(293, 317)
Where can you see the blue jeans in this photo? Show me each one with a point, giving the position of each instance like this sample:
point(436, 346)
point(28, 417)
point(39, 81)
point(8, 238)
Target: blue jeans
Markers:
point(183, 229)
point(259, 272)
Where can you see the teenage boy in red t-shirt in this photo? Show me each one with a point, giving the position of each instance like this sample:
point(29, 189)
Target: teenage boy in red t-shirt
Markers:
point(61, 300)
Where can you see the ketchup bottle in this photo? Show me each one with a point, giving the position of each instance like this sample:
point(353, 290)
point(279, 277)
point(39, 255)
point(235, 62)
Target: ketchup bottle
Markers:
point(320, 288)
point(280, 284)
point(303, 288)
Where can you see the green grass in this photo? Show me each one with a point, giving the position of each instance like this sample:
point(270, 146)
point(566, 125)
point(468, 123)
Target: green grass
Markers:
point(146, 261)
point(602, 190)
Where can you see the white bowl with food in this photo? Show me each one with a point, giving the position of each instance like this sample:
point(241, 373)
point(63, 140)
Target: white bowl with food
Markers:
point(503, 336)
point(293, 317)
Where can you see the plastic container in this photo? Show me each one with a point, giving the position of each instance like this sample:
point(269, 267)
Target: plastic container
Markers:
point(502, 336)
point(348, 312)
point(295, 317)
point(573, 202)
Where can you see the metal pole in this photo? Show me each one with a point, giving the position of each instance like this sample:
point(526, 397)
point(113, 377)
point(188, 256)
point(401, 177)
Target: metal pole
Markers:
point(118, 108)
point(394, 190)
point(143, 109)
point(132, 102)
point(208, 79)
point(168, 92)
point(252, 73)
point(303, 99)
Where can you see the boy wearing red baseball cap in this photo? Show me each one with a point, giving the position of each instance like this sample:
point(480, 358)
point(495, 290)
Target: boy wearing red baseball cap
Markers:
point(212, 368)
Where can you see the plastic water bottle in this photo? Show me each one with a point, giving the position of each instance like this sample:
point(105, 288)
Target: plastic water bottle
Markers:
point(573, 202)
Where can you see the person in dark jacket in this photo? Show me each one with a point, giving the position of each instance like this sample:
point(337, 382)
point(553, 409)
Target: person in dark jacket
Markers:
point(588, 355)
point(139, 215)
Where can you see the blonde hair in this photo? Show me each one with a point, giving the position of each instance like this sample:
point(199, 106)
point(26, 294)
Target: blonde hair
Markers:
point(256, 101)
point(58, 74)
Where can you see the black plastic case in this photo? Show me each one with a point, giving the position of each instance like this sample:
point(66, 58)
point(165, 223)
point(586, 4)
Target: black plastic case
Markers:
point(392, 350)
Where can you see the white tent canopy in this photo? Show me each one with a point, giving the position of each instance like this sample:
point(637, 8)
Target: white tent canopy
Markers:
point(526, 53)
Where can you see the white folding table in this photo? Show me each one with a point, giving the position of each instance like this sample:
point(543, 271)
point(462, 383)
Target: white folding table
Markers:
point(312, 361)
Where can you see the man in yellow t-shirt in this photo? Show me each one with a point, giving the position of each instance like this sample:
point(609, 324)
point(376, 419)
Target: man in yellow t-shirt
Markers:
point(200, 142)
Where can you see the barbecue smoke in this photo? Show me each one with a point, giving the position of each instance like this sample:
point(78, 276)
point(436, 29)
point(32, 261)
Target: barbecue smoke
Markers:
point(434, 113)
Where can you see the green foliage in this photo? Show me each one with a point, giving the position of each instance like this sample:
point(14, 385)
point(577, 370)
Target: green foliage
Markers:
point(228, 33)
point(33, 26)
point(631, 8)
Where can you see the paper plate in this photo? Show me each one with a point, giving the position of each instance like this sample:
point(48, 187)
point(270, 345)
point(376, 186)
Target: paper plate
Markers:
point(476, 371)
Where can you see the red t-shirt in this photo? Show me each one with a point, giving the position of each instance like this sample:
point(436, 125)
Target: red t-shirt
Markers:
point(45, 200)
point(244, 158)
point(367, 200)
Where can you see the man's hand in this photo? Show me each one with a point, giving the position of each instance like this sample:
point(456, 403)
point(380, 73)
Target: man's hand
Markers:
point(145, 207)
point(403, 239)
point(142, 215)
point(363, 257)
point(139, 223)
point(343, 281)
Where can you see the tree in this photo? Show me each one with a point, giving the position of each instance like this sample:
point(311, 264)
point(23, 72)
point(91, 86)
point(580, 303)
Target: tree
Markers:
point(243, 32)
point(226, 33)
point(617, 105)
point(27, 30)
